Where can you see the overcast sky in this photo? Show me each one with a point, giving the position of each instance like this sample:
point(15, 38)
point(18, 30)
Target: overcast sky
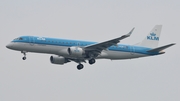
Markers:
point(36, 79)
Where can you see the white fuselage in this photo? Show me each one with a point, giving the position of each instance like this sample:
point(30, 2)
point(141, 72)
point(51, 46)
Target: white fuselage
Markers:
point(60, 50)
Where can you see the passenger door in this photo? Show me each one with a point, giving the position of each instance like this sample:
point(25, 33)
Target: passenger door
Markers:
point(132, 50)
point(31, 40)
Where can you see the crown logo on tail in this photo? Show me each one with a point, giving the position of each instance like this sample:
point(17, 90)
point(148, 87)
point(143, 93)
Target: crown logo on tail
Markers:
point(152, 34)
point(153, 37)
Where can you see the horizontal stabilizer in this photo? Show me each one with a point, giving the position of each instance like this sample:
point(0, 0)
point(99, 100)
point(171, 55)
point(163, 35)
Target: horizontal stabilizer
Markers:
point(160, 48)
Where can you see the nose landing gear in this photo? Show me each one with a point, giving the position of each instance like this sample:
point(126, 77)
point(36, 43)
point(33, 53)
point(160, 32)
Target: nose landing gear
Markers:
point(24, 53)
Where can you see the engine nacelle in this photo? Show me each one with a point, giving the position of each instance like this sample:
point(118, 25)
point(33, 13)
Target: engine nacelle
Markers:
point(76, 51)
point(58, 60)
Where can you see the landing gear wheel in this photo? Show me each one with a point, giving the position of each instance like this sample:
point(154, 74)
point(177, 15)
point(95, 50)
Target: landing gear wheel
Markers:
point(92, 61)
point(80, 66)
point(24, 58)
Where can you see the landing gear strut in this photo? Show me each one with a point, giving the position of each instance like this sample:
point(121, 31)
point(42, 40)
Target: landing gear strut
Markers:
point(80, 66)
point(24, 53)
point(92, 61)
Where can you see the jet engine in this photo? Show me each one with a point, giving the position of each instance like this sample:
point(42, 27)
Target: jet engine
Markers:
point(76, 51)
point(58, 60)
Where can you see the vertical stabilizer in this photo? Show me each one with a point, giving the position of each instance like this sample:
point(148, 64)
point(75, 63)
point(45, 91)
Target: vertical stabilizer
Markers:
point(152, 39)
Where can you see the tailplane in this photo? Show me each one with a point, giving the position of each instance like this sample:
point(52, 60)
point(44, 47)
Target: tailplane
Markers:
point(152, 39)
point(159, 49)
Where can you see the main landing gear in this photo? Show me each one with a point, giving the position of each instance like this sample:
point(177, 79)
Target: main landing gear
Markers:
point(24, 53)
point(92, 61)
point(81, 66)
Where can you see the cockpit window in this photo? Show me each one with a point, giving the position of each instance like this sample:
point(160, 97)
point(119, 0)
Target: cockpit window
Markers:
point(19, 38)
point(16, 39)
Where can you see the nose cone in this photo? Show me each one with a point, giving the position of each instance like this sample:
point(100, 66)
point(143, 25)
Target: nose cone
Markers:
point(9, 46)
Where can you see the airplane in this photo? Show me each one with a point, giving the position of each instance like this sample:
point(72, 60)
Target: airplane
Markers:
point(65, 50)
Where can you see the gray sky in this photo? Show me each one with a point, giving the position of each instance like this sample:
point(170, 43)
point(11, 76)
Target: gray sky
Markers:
point(36, 79)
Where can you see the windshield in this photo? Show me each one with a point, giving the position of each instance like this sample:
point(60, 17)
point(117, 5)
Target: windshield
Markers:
point(19, 38)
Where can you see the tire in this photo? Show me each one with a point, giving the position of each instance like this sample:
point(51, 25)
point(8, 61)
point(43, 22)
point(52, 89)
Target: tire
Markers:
point(80, 66)
point(92, 61)
point(24, 58)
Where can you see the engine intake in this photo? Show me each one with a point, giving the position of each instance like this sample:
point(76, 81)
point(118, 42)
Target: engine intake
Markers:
point(76, 51)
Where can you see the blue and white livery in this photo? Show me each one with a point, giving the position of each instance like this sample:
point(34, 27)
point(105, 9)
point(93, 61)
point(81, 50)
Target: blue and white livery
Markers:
point(65, 51)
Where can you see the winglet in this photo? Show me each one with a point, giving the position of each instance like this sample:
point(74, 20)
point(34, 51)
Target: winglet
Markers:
point(126, 35)
point(130, 32)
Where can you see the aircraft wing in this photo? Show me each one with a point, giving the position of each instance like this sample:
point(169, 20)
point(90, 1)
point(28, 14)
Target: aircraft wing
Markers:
point(98, 47)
